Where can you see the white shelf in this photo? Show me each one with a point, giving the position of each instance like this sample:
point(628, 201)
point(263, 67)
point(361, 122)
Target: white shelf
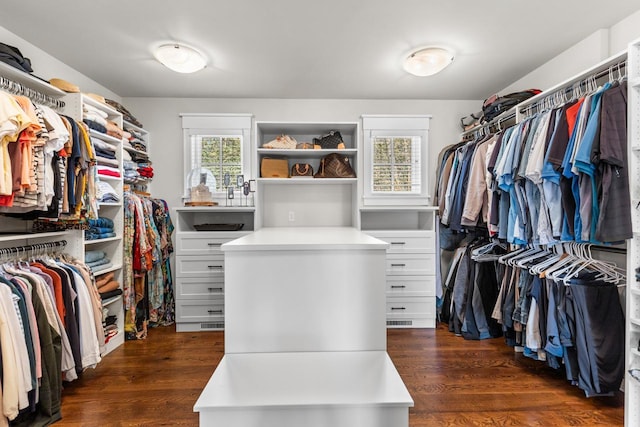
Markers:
point(305, 153)
point(104, 137)
point(399, 208)
point(216, 209)
point(635, 352)
point(634, 321)
point(130, 125)
point(115, 342)
point(114, 267)
point(108, 239)
point(110, 301)
point(634, 82)
point(133, 150)
point(21, 236)
point(108, 177)
point(29, 81)
point(99, 105)
point(307, 181)
point(100, 204)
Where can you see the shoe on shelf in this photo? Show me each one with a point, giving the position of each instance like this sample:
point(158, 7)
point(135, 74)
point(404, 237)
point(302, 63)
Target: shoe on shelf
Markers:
point(281, 142)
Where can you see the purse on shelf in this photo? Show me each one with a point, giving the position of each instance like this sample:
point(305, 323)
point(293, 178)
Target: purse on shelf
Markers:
point(331, 141)
point(335, 165)
point(274, 168)
point(302, 169)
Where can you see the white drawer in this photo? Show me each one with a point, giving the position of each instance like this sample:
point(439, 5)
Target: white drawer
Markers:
point(403, 307)
point(199, 310)
point(411, 286)
point(200, 266)
point(200, 287)
point(407, 241)
point(199, 245)
point(411, 264)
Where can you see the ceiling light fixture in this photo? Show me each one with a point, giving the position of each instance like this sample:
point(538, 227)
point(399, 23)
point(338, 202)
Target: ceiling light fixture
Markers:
point(180, 58)
point(428, 61)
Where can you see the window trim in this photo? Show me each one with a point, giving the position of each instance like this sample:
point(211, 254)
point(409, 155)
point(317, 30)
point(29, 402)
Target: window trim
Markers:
point(395, 126)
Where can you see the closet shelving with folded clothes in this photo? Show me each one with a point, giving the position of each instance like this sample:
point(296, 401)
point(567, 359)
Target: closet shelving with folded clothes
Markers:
point(306, 201)
point(136, 164)
point(103, 240)
point(546, 227)
point(632, 378)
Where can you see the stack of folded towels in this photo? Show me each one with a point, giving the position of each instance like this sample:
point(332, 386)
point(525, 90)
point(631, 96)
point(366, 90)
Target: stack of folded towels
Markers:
point(105, 153)
point(100, 228)
point(108, 287)
point(97, 260)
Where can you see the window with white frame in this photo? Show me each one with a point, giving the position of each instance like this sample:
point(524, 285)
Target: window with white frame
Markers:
point(395, 160)
point(216, 145)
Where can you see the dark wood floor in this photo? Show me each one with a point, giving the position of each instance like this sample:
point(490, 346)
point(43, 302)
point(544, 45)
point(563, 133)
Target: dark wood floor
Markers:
point(453, 382)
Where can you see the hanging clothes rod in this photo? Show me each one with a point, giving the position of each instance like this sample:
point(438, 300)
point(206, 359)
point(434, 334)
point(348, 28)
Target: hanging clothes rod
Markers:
point(40, 98)
point(559, 95)
point(33, 248)
point(494, 126)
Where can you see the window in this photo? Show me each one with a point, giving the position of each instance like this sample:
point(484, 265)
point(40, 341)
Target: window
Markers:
point(396, 164)
point(215, 145)
point(395, 160)
point(220, 154)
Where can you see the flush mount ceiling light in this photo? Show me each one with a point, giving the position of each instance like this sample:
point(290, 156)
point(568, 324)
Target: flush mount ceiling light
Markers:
point(427, 61)
point(180, 58)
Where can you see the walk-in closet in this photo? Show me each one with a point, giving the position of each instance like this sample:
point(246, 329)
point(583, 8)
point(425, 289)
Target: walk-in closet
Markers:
point(340, 214)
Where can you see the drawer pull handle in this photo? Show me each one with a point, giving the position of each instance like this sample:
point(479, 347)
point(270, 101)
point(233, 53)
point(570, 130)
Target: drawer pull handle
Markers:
point(398, 286)
point(213, 244)
point(214, 266)
point(398, 308)
point(398, 243)
point(214, 289)
point(214, 311)
point(398, 265)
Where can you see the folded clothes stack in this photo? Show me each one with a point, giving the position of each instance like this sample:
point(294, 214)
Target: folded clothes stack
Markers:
point(105, 170)
point(97, 261)
point(146, 170)
point(136, 140)
point(130, 171)
point(105, 153)
point(101, 228)
point(105, 193)
point(91, 113)
point(108, 287)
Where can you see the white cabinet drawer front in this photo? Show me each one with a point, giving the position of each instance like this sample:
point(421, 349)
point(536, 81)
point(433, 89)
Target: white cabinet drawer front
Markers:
point(193, 245)
point(411, 307)
point(415, 264)
point(402, 242)
point(411, 285)
point(199, 266)
point(199, 310)
point(200, 287)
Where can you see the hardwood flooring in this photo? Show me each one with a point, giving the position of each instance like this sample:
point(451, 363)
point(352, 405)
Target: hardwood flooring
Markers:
point(453, 382)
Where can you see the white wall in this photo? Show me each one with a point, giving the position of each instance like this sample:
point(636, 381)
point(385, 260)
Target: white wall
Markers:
point(47, 67)
point(160, 116)
point(588, 52)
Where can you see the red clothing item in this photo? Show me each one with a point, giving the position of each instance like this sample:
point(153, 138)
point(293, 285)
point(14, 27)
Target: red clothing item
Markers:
point(572, 115)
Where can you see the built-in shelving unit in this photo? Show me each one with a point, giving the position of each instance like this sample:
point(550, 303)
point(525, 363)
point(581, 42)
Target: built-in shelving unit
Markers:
point(287, 202)
point(112, 246)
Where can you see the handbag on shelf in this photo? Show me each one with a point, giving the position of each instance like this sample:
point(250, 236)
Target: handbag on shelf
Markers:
point(331, 141)
point(335, 165)
point(302, 169)
point(274, 168)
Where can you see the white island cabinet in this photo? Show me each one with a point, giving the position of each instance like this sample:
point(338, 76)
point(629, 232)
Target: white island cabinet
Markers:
point(305, 333)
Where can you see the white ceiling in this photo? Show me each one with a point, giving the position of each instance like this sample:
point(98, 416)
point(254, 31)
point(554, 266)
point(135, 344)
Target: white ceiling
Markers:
point(349, 49)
